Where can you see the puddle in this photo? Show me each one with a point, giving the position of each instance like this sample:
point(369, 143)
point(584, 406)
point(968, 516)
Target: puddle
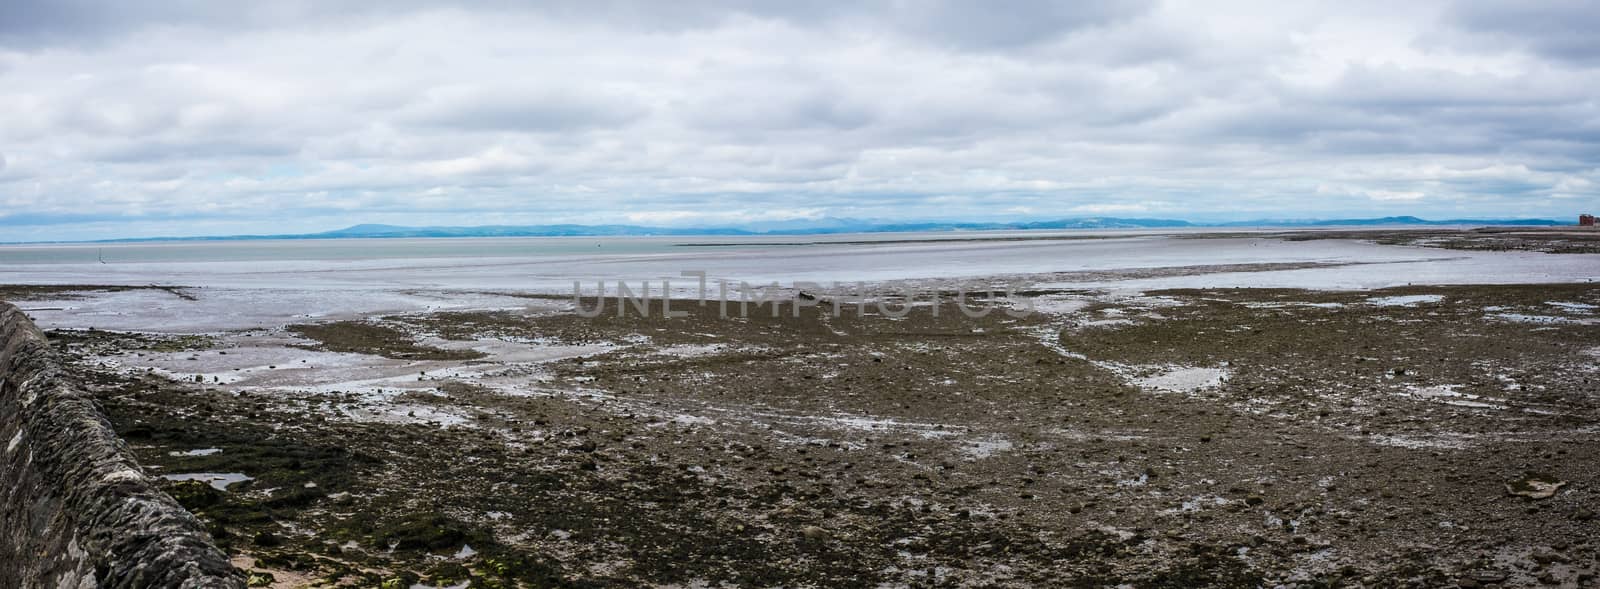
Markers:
point(406, 414)
point(691, 350)
point(1405, 300)
point(217, 480)
point(683, 419)
point(1448, 395)
point(1197, 503)
point(1579, 307)
point(858, 423)
point(1292, 304)
point(200, 452)
point(1525, 318)
point(1050, 337)
point(1095, 323)
point(979, 449)
point(1439, 442)
point(1184, 379)
point(1057, 305)
point(509, 352)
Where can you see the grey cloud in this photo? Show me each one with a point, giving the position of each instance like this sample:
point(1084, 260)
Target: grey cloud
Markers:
point(1003, 24)
point(1558, 29)
point(192, 149)
point(952, 22)
point(754, 112)
point(37, 21)
point(27, 23)
point(1389, 87)
point(507, 109)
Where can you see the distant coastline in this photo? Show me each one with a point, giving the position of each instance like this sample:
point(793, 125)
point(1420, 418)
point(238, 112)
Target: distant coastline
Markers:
point(822, 227)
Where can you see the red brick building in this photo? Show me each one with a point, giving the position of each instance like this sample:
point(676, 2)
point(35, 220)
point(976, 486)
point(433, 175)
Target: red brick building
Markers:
point(1586, 220)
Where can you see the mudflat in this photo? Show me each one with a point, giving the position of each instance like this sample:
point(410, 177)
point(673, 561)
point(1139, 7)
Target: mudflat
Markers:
point(1424, 435)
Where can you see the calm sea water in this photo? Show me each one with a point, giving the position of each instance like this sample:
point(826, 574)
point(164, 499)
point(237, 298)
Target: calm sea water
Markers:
point(237, 284)
point(335, 249)
point(467, 247)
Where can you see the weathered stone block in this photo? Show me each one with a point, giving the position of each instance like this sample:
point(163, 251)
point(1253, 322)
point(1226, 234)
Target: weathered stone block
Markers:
point(76, 511)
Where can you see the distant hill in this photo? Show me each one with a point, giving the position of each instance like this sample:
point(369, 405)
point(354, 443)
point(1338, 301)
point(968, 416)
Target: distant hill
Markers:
point(834, 226)
point(512, 231)
point(1402, 220)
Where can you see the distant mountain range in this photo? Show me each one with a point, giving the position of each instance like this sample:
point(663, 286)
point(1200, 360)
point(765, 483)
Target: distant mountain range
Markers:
point(834, 226)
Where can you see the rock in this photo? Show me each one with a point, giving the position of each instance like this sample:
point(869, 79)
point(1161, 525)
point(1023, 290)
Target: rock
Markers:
point(1548, 557)
point(82, 483)
point(1486, 577)
point(421, 532)
point(1535, 486)
point(267, 539)
point(194, 495)
point(814, 534)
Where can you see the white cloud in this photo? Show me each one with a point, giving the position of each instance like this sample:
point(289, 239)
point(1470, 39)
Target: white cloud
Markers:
point(116, 118)
point(742, 216)
point(1396, 195)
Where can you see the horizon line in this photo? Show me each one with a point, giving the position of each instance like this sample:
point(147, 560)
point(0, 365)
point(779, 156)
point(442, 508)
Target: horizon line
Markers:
point(841, 226)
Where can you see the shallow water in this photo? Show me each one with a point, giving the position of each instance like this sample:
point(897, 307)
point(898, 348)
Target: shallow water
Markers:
point(394, 270)
point(243, 250)
point(217, 480)
point(273, 283)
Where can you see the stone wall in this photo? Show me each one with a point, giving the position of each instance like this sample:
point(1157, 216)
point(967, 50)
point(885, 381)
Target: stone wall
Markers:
point(77, 511)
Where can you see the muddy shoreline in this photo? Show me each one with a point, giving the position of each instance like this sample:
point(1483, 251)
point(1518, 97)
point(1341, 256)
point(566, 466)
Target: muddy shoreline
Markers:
point(1550, 240)
point(1227, 437)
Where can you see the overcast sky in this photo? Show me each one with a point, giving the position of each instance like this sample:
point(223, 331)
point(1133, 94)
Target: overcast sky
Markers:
point(199, 117)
